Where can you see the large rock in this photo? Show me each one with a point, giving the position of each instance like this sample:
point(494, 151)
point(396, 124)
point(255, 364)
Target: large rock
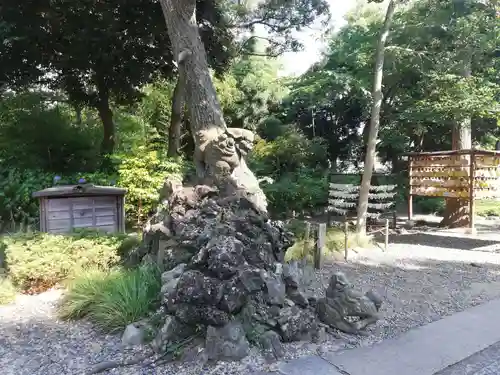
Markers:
point(270, 342)
point(171, 331)
point(225, 256)
point(168, 276)
point(227, 343)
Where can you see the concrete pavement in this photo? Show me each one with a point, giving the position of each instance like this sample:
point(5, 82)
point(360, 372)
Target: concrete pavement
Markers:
point(465, 343)
point(485, 362)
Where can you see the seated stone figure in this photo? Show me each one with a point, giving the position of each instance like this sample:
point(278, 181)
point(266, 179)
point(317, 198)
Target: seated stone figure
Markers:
point(343, 304)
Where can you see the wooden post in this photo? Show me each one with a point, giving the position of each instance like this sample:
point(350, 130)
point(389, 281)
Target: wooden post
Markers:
point(394, 219)
point(386, 234)
point(307, 234)
point(410, 195)
point(160, 258)
point(472, 207)
point(318, 255)
point(346, 239)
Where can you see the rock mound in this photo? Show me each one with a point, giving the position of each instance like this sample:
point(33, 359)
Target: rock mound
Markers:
point(226, 274)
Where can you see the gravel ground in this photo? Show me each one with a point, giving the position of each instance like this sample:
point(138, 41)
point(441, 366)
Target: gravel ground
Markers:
point(419, 283)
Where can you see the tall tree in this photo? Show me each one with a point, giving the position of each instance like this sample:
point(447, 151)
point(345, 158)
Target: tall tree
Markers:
point(216, 156)
point(467, 33)
point(374, 120)
point(280, 18)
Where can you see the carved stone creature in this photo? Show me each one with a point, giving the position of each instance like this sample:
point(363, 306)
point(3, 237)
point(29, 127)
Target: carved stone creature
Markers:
point(221, 153)
point(244, 140)
point(343, 304)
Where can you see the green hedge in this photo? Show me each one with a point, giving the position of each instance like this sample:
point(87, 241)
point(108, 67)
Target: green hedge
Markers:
point(37, 261)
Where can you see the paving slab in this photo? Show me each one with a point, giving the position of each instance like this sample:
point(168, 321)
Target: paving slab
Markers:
point(485, 362)
point(428, 349)
point(312, 365)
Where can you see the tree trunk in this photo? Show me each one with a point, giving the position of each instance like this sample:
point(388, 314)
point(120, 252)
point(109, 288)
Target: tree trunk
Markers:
point(106, 115)
point(456, 214)
point(374, 121)
point(174, 131)
point(78, 111)
point(219, 151)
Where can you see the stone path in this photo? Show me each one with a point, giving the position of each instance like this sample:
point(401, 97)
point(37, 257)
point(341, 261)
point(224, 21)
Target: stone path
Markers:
point(466, 343)
point(485, 362)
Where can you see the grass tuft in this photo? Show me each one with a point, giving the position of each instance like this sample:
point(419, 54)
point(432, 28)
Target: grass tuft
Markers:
point(112, 299)
point(335, 242)
point(487, 207)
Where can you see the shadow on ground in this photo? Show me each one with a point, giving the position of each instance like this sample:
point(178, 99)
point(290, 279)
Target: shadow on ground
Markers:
point(441, 240)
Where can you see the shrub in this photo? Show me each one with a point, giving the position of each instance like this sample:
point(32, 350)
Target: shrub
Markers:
point(296, 164)
point(7, 291)
point(430, 205)
point(297, 227)
point(300, 191)
point(288, 153)
point(37, 261)
point(335, 242)
point(143, 175)
point(112, 299)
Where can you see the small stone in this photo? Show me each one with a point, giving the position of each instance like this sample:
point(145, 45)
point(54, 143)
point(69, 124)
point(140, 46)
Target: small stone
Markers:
point(251, 279)
point(313, 300)
point(175, 273)
point(233, 298)
point(402, 231)
point(410, 224)
point(194, 354)
point(161, 228)
point(197, 289)
point(278, 268)
point(276, 291)
point(296, 324)
point(204, 190)
point(319, 336)
point(95, 347)
point(169, 287)
point(272, 346)
point(291, 274)
point(297, 297)
point(133, 335)
point(207, 315)
point(227, 343)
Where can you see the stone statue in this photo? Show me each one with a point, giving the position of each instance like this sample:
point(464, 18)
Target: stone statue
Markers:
point(217, 156)
point(220, 160)
point(244, 140)
point(220, 153)
point(342, 305)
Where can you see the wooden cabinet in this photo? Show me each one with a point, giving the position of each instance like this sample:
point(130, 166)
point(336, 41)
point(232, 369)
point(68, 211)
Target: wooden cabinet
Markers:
point(65, 208)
